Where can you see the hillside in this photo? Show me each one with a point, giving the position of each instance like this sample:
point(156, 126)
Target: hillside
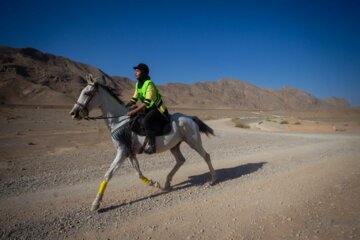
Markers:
point(30, 77)
point(231, 93)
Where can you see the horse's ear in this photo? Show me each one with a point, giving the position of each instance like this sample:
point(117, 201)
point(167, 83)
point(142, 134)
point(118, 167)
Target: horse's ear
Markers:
point(90, 79)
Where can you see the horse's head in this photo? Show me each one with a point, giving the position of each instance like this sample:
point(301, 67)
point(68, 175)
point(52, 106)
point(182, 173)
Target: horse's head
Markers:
point(87, 100)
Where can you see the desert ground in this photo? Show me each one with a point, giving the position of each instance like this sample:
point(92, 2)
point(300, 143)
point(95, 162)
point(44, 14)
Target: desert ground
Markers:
point(280, 176)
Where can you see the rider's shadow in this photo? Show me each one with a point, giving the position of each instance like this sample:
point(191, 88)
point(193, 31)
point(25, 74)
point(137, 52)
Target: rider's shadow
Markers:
point(223, 175)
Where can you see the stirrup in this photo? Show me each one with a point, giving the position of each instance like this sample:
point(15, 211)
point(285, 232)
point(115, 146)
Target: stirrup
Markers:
point(150, 149)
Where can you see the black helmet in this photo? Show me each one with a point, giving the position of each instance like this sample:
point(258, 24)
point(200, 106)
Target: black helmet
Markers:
point(143, 68)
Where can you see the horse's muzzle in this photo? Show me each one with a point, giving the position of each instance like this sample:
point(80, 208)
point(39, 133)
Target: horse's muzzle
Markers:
point(78, 113)
point(74, 113)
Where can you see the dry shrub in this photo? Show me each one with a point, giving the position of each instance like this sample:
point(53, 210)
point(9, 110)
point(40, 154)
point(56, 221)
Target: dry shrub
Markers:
point(238, 123)
point(209, 117)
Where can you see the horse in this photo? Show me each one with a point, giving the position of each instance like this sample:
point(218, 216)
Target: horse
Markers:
point(128, 144)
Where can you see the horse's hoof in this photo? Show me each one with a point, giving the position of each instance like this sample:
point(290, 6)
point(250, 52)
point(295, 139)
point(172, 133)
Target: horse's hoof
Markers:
point(157, 185)
point(95, 206)
point(212, 183)
point(167, 188)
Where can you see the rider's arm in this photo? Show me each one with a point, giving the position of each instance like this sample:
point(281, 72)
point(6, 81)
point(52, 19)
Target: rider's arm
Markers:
point(133, 100)
point(135, 97)
point(136, 110)
point(151, 95)
point(149, 98)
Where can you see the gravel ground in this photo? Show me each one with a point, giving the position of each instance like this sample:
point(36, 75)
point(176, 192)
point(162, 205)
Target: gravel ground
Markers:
point(271, 186)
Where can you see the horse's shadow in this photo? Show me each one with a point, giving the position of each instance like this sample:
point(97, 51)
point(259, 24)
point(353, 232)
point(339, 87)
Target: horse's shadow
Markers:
point(223, 175)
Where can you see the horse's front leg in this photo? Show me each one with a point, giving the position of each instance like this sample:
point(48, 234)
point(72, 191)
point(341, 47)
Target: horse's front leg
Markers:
point(114, 165)
point(149, 182)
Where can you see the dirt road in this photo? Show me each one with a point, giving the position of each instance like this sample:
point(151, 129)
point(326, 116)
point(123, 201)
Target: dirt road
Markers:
point(271, 186)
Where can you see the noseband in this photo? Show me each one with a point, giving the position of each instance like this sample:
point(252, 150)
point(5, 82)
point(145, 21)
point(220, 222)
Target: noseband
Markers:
point(90, 96)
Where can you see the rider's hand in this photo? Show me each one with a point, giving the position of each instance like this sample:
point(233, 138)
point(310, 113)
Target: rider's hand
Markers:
point(131, 113)
point(136, 110)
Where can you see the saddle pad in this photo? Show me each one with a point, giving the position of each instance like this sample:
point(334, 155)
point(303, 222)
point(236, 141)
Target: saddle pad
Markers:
point(137, 126)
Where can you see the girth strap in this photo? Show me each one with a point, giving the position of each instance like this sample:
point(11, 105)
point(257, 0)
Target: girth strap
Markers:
point(144, 145)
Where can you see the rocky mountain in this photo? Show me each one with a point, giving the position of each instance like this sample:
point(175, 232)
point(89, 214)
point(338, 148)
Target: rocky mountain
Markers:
point(28, 76)
point(338, 102)
point(231, 93)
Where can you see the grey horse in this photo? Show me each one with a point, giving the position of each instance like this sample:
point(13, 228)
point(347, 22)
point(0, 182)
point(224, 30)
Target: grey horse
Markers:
point(128, 144)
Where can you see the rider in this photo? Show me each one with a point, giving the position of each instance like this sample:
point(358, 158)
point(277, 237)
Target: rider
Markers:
point(156, 113)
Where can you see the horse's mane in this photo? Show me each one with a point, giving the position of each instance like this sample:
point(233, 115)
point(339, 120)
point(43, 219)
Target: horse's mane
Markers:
point(112, 92)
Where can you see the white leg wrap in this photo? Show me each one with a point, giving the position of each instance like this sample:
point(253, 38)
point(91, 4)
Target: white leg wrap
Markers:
point(96, 203)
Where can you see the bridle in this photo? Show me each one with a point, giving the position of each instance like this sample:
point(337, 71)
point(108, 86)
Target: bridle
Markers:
point(84, 108)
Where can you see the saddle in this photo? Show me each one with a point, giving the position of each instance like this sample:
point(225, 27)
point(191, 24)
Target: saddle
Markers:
point(137, 126)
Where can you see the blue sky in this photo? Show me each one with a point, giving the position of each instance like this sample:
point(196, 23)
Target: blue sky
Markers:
point(309, 45)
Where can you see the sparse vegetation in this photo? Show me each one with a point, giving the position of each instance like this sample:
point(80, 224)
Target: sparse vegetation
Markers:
point(340, 130)
point(12, 117)
point(209, 117)
point(297, 123)
point(284, 122)
point(271, 120)
point(238, 123)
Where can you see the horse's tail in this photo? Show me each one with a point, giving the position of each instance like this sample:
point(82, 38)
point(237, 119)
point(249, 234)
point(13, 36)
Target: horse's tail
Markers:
point(203, 127)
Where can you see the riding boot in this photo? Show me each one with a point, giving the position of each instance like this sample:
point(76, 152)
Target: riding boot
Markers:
point(151, 144)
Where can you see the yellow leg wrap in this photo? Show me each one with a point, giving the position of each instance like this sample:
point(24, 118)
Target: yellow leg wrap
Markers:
point(102, 188)
point(145, 180)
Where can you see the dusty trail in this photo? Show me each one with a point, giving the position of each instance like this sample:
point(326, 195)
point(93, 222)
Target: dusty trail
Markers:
point(271, 186)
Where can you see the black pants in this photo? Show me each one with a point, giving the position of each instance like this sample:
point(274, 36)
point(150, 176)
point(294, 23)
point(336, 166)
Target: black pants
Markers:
point(154, 120)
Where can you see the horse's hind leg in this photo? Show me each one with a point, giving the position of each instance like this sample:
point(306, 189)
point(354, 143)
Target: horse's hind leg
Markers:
point(196, 144)
point(207, 158)
point(179, 162)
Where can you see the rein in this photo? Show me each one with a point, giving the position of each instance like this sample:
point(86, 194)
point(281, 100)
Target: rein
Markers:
point(99, 117)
